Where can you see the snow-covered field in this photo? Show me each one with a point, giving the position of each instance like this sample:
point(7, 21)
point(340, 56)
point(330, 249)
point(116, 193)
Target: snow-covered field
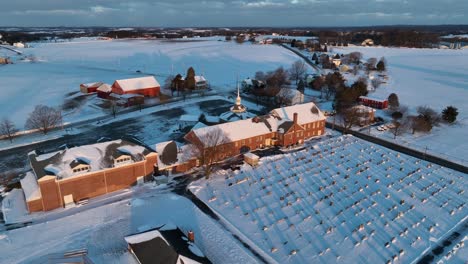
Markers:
point(428, 77)
point(102, 230)
point(342, 200)
point(62, 67)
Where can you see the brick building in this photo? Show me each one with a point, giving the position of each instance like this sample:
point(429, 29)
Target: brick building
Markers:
point(90, 87)
point(373, 102)
point(84, 172)
point(286, 126)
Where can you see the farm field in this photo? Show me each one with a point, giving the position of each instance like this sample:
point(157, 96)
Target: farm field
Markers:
point(60, 68)
point(427, 77)
point(341, 200)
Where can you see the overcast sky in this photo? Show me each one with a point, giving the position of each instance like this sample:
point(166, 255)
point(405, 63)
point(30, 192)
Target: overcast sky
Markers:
point(275, 13)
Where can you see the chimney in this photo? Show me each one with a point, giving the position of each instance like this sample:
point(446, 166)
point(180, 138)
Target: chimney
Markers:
point(191, 236)
point(295, 118)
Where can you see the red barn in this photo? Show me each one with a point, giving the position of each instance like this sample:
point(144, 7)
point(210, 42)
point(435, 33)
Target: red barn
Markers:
point(147, 86)
point(374, 102)
point(104, 91)
point(89, 87)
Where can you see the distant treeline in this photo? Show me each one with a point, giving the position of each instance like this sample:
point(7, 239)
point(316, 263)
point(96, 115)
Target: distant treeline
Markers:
point(407, 36)
point(391, 37)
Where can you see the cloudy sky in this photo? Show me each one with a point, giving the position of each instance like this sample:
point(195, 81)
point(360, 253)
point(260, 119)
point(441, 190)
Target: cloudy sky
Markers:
point(164, 13)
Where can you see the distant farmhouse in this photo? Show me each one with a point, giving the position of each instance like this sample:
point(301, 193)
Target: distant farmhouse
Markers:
point(90, 87)
point(19, 45)
point(65, 177)
point(146, 86)
point(374, 102)
point(5, 60)
point(367, 42)
point(252, 84)
point(104, 91)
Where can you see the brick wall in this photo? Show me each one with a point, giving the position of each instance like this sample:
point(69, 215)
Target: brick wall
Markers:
point(35, 205)
point(50, 194)
point(83, 187)
point(91, 184)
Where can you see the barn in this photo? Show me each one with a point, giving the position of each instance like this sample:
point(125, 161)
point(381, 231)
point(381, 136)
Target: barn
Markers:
point(104, 91)
point(374, 102)
point(147, 86)
point(90, 87)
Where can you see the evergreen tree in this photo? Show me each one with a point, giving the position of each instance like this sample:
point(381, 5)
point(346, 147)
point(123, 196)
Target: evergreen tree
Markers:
point(360, 87)
point(293, 43)
point(450, 114)
point(190, 79)
point(301, 86)
point(314, 57)
point(393, 101)
point(381, 65)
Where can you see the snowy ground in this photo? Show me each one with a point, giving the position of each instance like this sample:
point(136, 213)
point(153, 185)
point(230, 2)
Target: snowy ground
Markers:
point(427, 77)
point(342, 200)
point(102, 230)
point(62, 67)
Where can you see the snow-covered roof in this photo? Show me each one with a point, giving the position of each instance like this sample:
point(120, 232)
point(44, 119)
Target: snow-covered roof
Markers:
point(98, 156)
point(248, 81)
point(30, 187)
point(306, 113)
point(138, 83)
point(242, 129)
point(93, 84)
point(198, 125)
point(212, 119)
point(368, 202)
point(364, 109)
point(251, 156)
point(164, 246)
point(238, 130)
point(106, 88)
point(143, 237)
point(200, 78)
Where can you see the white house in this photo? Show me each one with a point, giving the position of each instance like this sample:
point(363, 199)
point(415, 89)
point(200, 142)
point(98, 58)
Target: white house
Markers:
point(19, 45)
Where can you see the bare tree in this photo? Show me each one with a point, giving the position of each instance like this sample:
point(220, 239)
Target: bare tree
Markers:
point(113, 108)
point(260, 76)
point(355, 57)
point(208, 148)
point(419, 123)
point(277, 78)
point(355, 70)
point(371, 62)
point(393, 101)
point(431, 116)
point(44, 118)
point(349, 116)
point(399, 124)
point(7, 129)
point(168, 82)
point(298, 70)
